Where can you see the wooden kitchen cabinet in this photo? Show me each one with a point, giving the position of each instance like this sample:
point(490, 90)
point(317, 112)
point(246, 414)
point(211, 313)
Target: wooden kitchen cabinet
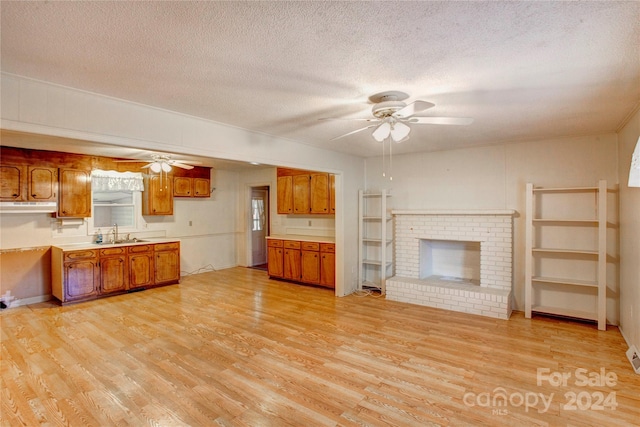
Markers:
point(302, 261)
point(28, 183)
point(310, 262)
point(332, 194)
point(301, 194)
point(291, 262)
point(42, 183)
point(114, 274)
point(157, 197)
point(184, 186)
point(328, 265)
point(167, 263)
point(285, 194)
point(75, 193)
point(80, 276)
point(275, 258)
point(305, 192)
point(140, 266)
point(319, 193)
point(12, 179)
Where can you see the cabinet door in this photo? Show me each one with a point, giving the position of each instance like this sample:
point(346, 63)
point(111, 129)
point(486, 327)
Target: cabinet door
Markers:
point(113, 274)
point(285, 195)
point(140, 270)
point(310, 267)
point(332, 194)
point(81, 280)
point(12, 180)
point(75, 193)
point(301, 194)
point(275, 259)
point(42, 183)
point(291, 264)
point(201, 187)
point(319, 193)
point(167, 266)
point(182, 186)
point(158, 196)
point(328, 269)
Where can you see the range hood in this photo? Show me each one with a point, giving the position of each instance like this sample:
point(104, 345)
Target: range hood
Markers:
point(27, 207)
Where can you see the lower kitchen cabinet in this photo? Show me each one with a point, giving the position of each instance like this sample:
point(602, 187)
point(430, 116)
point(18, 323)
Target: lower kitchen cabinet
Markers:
point(80, 275)
point(291, 261)
point(302, 261)
point(275, 258)
point(167, 263)
point(140, 266)
point(114, 275)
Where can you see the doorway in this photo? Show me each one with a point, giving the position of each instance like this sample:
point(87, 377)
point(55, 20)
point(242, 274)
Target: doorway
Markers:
point(259, 214)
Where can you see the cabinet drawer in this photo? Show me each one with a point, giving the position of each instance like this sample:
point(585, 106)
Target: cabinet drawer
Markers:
point(291, 244)
point(274, 243)
point(327, 247)
point(113, 251)
point(74, 255)
point(167, 246)
point(310, 246)
point(140, 248)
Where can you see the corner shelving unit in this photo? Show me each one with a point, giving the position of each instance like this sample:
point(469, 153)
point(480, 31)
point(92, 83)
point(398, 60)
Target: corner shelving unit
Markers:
point(375, 255)
point(596, 219)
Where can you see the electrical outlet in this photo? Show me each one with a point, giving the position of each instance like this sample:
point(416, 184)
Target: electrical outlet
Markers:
point(309, 223)
point(190, 223)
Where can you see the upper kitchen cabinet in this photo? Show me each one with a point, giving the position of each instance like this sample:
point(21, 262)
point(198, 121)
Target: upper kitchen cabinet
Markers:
point(28, 183)
point(12, 179)
point(305, 192)
point(157, 197)
point(42, 184)
point(185, 186)
point(75, 193)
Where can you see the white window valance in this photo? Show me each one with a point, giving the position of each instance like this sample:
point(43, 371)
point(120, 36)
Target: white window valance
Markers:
point(102, 180)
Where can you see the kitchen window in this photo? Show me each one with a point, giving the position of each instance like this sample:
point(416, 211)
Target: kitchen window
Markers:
point(116, 200)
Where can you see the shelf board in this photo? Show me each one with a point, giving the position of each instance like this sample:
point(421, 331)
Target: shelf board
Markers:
point(588, 283)
point(565, 251)
point(375, 218)
point(564, 189)
point(375, 262)
point(567, 221)
point(379, 241)
point(374, 195)
point(556, 311)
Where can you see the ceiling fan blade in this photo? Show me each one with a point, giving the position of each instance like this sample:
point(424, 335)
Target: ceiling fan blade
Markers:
point(441, 120)
point(351, 120)
point(352, 132)
point(146, 166)
point(181, 165)
point(413, 108)
point(130, 161)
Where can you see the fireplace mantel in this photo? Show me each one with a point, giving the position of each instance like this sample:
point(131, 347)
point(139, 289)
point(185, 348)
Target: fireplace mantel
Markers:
point(475, 212)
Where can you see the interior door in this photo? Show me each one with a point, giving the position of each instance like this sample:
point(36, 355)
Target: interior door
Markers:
point(259, 225)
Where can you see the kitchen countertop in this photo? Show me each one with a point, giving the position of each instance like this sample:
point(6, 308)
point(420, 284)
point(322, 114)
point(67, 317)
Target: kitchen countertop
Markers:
point(85, 246)
point(303, 238)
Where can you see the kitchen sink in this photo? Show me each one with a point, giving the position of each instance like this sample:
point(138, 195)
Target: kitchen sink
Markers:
point(123, 242)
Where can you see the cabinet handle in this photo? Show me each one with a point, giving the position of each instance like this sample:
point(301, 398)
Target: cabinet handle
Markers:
point(33, 195)
point(14, 195)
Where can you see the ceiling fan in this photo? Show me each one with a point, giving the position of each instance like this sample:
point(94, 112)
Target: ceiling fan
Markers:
point(392, 117)
point(163, 163)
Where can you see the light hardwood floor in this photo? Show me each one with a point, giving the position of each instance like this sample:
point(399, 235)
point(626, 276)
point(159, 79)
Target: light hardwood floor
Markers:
point(234, 348)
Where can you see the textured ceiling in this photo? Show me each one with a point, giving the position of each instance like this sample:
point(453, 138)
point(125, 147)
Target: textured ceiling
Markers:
point(522, 70)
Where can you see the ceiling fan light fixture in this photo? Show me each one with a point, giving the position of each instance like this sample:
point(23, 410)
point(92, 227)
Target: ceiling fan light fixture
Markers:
point(400, 132)
point(155, 167)
point(382, 132)
point(166, 167)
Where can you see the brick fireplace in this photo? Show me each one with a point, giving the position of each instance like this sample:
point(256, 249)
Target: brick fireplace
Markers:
point(436, 260)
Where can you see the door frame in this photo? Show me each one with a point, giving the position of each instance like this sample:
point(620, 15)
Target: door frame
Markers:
point(249, 219)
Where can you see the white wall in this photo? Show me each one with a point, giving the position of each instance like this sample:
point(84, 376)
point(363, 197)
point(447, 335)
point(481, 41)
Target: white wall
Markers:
point(629, 237)
point(494, 177)
point(43, 108)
